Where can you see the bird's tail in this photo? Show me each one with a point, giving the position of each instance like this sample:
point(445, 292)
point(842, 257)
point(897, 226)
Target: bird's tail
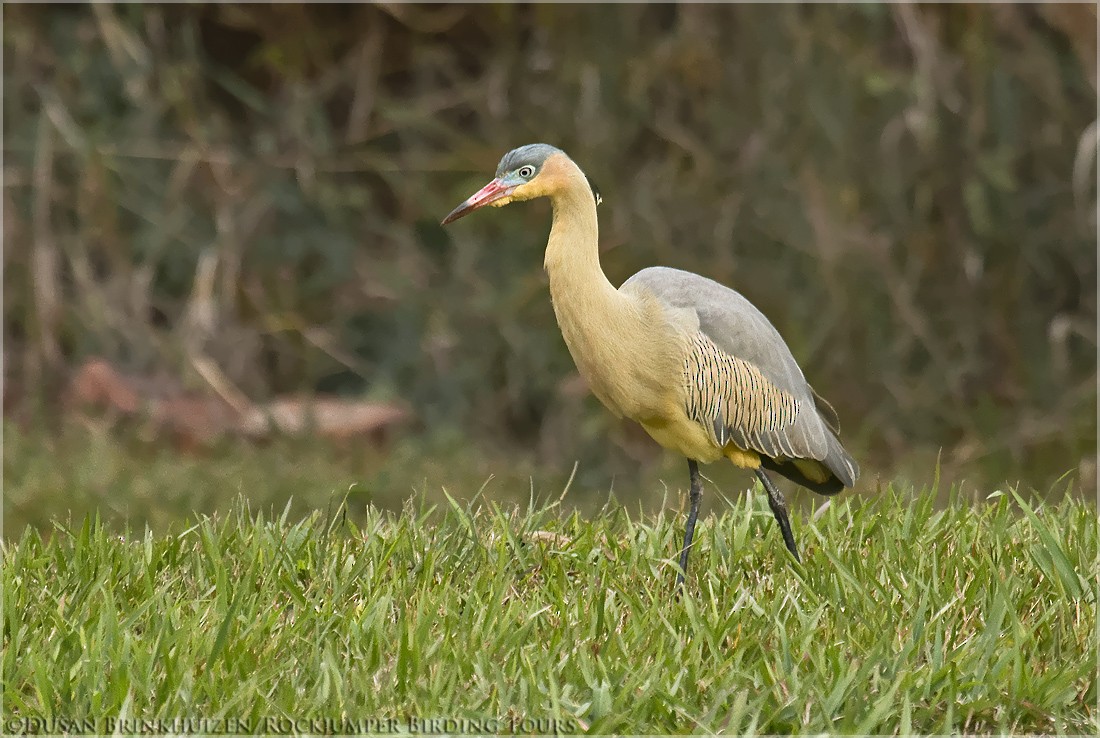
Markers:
point(837, 460)
point(826, 477)
point(841, 463)
point(832, 473)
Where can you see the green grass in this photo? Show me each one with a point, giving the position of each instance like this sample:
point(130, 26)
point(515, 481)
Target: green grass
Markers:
point(904, 617)
point(113, 473)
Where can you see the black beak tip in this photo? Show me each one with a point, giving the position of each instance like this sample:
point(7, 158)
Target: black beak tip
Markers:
point(455, 214)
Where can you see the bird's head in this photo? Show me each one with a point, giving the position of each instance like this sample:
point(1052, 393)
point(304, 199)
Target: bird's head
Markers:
point(534, 170)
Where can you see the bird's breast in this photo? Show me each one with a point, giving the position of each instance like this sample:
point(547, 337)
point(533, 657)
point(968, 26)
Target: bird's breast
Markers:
point(630, 359)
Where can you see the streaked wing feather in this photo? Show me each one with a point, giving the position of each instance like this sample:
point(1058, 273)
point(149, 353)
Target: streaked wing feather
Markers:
point(732, 400)
point(737, 329)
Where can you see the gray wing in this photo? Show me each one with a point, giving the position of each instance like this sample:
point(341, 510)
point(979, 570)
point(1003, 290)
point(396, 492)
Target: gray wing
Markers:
point(734, 324)
point(790, 422)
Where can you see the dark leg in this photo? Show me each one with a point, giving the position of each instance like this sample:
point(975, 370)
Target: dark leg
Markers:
point(779, 510)
point(696, 494)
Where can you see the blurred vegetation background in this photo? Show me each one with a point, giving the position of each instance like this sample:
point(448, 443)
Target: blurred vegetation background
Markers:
point(247, 198)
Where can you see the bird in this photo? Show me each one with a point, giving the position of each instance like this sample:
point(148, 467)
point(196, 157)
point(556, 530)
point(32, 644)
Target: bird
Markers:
point(692, 361)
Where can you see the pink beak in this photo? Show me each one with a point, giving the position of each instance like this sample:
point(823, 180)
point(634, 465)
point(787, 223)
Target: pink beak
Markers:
point(491, 192)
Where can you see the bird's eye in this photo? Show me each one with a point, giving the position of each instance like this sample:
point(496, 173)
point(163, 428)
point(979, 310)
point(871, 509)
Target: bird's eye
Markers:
point(526, 171)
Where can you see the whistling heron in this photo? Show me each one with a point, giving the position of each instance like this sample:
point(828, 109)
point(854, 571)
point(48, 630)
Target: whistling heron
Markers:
point(694, 362)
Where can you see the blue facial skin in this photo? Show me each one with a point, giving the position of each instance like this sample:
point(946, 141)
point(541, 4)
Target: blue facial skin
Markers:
point(534, 155)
